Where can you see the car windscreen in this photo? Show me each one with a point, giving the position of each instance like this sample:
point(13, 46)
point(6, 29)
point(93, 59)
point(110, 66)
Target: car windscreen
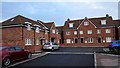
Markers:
point(1, 48)
point(47, 44)
point(118, 42)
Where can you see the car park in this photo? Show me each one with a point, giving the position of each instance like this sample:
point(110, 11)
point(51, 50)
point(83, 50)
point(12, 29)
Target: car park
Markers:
point(115, 45)
point(50, 46)
point(13, 53)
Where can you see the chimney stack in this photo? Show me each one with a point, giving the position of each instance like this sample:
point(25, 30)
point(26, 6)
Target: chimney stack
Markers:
point(107, 15)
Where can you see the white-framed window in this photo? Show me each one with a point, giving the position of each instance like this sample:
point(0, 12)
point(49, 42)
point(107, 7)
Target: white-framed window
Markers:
point(67, 33)
point(90, 40)
point(68, 40)
point(81, 31)
point(46, 41)
point(103, 22)
point(53, 31)
point(98, 31)
point(57, 31)
point(37, 42)
point(28, 27)
point(89, 31)
point(108, 39)
point(71, 25)
point(107, 30)
point(75, 32)
point(46, 32)
point(37, 29)
point(28, 42)
point(86, 23)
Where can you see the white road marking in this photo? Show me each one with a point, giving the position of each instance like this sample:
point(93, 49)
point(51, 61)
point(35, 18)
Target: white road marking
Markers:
point(69, 53)
point(95, 61)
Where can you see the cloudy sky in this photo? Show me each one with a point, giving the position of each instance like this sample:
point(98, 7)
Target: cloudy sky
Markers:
point(58, 12)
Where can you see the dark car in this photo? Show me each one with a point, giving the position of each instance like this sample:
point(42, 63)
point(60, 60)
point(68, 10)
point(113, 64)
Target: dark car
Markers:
point(13, 53)
point(114, 45)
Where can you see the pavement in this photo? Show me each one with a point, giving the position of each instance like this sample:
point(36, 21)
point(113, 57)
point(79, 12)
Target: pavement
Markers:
point(107, 60)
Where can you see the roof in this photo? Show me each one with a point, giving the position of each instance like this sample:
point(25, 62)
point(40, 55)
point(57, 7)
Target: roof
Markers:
point(18, 20)
point(117, 22)
point(60, 28)
point(95, 21)
point(49, 24)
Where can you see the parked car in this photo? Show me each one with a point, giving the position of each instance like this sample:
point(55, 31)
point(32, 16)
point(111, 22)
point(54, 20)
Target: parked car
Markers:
point(114, 45)
point(50, 46)
point(13, 53)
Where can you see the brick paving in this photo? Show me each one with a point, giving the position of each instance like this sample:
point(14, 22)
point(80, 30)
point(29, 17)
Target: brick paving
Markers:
point(107, 60)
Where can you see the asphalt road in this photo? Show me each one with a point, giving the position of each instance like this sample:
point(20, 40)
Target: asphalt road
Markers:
point(72, 57)
point(56, 60)
point(81, 49)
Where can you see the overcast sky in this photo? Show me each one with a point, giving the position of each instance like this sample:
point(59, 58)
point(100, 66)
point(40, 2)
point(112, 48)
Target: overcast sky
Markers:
point(58, 12)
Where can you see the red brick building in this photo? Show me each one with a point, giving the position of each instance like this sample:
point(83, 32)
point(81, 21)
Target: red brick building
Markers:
point(23, 32)
point(117, 24)
point(31, 35)
point(53, 35)
point(89, 31)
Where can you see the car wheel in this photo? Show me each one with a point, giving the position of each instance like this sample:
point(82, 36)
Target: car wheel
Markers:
point(6, 61)
point(29, 55)
point(52, 49)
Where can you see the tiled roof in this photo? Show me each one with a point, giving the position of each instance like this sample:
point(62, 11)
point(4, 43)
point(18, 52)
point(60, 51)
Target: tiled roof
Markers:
point(60, 28)
point(95, 21)
point(17, 20)
point(117, 22)
point(48, 24)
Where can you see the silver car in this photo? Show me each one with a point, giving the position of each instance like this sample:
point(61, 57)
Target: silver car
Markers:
point(51, 46)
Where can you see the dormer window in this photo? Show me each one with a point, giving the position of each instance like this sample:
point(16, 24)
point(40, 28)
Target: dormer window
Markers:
point(28, 25)
point(71, 25)
point(53, 31)
point(103, 22)
point(46, 32)
point(86, 23)
point(37, 29)
point(12, 19)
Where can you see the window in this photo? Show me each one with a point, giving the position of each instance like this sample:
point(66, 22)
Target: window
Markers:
point(103, 22)
point(70, 25)
point(89, 31)
point(86, 23)
point(57, 31)
point(99, 39)
point(107, 30)
point(81, 32)
point(11, 49)
point(98, 31)
point(68, 40)
point(28, 27)
point(18, 48)
point(46, 41)
point(37, 29)
point(67, 33)
point(108, 39)
point(28, 42)
point(90, 40)
point(81, 40)
point(37, 42)
point(46, 32)
point(75, 32)
point(53, 31)
point(75, 40)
